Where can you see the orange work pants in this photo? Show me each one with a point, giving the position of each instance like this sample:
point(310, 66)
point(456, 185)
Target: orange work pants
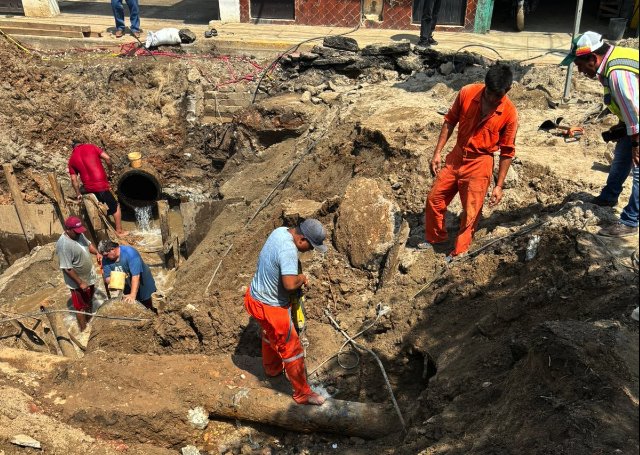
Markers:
point(281, 347)
point(466, 173)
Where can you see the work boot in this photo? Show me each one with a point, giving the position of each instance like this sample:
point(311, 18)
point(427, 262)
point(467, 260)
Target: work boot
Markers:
point(597, 200)
point(422, 44)
point(432, 42)
point(618, 230)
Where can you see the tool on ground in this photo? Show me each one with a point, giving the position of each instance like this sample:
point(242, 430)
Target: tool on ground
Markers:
point(142, 46)
point(298, 314)
point(569, 133)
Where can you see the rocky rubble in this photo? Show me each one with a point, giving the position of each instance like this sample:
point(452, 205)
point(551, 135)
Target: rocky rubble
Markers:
point(343, 56)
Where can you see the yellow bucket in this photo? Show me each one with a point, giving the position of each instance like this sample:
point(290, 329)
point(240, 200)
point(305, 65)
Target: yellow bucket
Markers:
point(117, 280)
point(135, 159)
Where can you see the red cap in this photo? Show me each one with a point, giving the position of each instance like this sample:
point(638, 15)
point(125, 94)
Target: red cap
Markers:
point(75, 224)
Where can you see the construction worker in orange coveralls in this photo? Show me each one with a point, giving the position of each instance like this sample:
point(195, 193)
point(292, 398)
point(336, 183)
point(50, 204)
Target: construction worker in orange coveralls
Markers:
point(487, 122)
point(267, 300)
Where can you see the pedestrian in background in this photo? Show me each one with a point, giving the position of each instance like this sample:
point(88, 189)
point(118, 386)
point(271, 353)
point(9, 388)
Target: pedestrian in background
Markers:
point(428, 21)
point(134, 15)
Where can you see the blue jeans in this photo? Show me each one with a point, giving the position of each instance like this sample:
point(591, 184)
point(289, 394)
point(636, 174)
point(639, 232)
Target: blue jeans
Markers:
point(118, 14)
point(620, 167)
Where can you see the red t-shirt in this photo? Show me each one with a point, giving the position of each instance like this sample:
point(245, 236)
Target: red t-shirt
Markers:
point(85, 160)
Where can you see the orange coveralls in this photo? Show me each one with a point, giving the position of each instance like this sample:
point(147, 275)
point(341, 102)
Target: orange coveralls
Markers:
point(281, 347)
point(469, 166)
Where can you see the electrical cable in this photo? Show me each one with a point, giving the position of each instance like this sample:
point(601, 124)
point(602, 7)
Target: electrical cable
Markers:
point(378, 361)
point(453, 59)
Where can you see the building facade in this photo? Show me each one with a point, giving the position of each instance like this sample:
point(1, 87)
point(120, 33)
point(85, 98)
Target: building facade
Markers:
point(393, 14)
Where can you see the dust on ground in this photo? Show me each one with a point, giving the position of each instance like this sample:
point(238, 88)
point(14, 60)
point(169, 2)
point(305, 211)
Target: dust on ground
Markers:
point(499, 352)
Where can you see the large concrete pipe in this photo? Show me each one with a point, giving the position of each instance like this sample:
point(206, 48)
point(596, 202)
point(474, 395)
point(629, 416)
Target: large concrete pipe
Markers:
point(139, 187)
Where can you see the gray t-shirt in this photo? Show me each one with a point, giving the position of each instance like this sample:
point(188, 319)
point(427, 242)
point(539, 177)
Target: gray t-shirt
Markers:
point(74, 254)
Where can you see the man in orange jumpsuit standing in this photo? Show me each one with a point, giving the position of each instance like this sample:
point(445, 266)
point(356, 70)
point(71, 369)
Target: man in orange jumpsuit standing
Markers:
point(487, 122)
point(267, 300)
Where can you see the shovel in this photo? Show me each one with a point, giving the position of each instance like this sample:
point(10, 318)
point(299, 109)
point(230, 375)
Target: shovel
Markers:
point(570, 133)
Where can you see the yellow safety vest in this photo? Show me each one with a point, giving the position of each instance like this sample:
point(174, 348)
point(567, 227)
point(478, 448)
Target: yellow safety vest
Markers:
point(621, 58)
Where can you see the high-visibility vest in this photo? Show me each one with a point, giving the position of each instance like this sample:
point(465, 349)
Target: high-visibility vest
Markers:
point(621, 58)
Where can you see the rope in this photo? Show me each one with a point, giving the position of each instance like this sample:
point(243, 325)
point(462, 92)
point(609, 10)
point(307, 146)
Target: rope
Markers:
point(13, 41)
point(33, 315)
point(382, 370)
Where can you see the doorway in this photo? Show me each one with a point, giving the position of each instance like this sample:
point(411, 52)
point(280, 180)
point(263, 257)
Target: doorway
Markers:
point(272, 9)
point(451, 12)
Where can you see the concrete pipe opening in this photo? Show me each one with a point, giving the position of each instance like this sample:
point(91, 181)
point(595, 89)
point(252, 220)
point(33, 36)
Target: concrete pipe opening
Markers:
point(139, 187)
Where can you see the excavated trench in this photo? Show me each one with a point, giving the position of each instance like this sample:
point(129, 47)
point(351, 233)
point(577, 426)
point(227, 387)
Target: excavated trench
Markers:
point(496, 353)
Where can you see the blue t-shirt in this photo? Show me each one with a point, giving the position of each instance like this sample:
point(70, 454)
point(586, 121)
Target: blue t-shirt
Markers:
point(279, 256)
point(131, 263)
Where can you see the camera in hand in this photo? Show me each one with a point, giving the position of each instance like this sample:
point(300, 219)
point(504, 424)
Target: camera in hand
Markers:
point(615, 133)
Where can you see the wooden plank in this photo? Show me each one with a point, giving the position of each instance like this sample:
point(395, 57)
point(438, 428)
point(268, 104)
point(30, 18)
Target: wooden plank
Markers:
point(167, 238)
point(59, 197)
point(97, 227)
point(45, 26)
point(21, 209)
point(60, 333)
point(40, 32)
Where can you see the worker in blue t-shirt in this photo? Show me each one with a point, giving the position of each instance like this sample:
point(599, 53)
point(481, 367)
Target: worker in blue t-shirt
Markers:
point(139, 284)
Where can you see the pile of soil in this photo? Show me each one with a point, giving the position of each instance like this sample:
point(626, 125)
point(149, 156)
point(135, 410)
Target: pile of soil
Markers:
point(523, 346)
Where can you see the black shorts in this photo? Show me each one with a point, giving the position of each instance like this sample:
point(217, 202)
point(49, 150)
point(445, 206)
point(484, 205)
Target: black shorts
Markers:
point(106, 197)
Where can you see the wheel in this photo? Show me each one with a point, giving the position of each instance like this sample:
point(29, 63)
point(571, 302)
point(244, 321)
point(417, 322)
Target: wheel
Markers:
point(520, 17)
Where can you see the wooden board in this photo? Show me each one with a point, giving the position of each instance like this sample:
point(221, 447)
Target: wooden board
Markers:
point(45, 26)
point(41, 32)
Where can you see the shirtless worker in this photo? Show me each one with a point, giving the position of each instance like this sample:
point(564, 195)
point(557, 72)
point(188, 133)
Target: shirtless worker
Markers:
point(487, 123)
point(267, 300)
point(86, 161)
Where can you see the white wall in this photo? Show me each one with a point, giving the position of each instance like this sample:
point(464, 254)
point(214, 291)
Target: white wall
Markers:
point(40, 8)
point(229, 10)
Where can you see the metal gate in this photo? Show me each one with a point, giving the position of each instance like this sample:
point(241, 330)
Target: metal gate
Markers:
point(271, 9)
point(451, 12)
point(11, 7)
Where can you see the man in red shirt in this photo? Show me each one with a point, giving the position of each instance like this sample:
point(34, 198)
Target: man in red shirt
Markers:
point(487, 122)
point(86, 161)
